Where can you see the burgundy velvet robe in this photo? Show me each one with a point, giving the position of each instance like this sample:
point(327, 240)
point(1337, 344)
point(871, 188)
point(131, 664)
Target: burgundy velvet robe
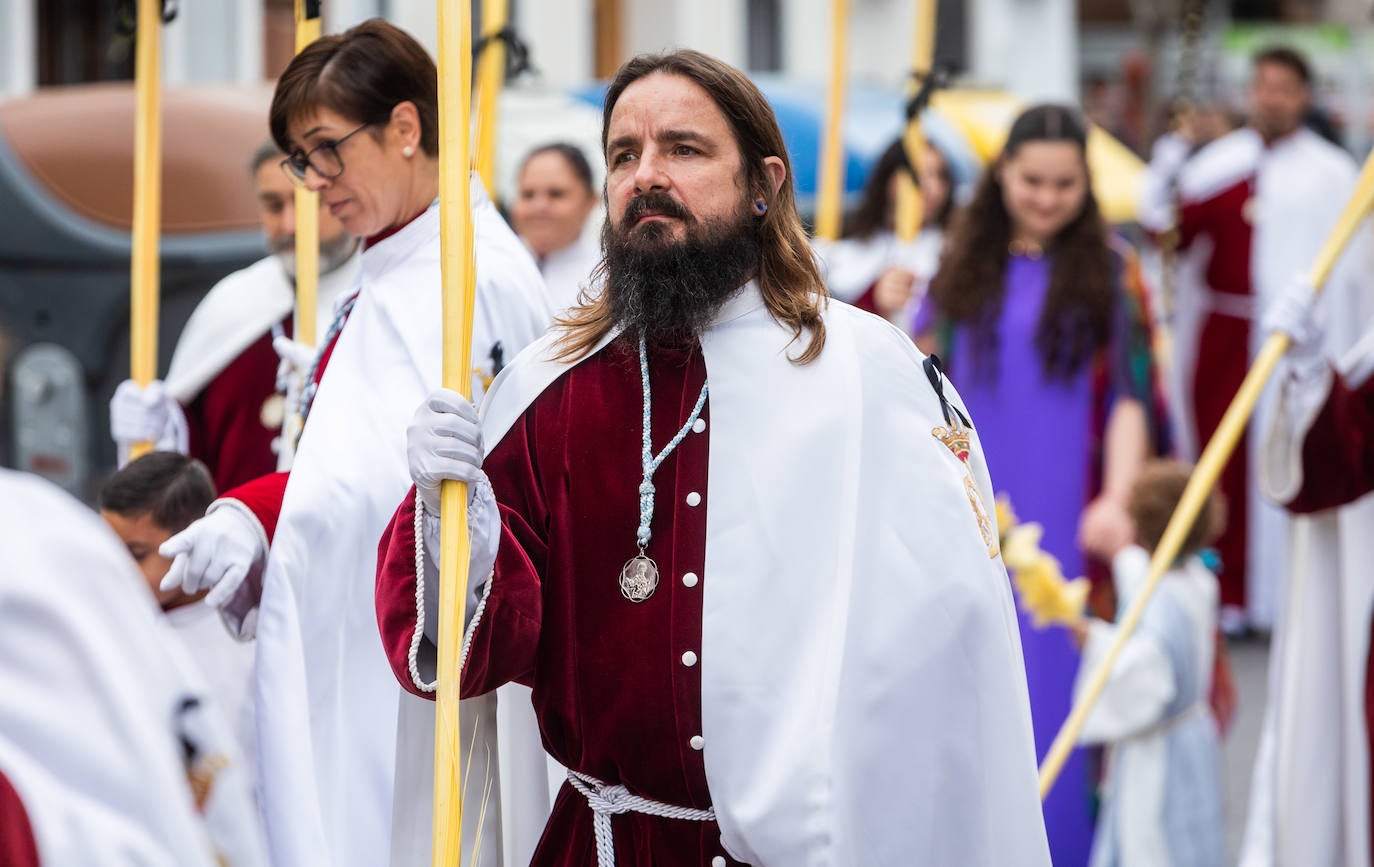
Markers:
point(615, 691)
point(17, 846)
point(226, 420)
point(1223, 360)
point(1338, 468)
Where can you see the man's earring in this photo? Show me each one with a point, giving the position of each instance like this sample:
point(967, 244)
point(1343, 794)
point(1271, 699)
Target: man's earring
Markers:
point(760, 207)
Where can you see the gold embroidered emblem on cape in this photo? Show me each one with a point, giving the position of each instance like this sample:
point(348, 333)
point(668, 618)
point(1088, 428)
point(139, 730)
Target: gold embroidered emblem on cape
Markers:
point(956, 438)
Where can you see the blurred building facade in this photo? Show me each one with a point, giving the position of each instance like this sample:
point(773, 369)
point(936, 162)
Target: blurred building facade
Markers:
point(1121, 57)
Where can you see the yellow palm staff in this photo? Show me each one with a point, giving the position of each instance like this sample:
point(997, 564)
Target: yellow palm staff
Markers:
point(831, 186)
point(908, 218)
point(143, 300)
point(307, 205)
point(491, 76)
point(459, 289)
point(1205, 476)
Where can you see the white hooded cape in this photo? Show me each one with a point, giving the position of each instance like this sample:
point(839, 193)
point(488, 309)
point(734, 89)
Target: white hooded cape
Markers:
point(863, 695)
point(328, 703)
point(91, 685)
point(1309, 802)
point(236, 312)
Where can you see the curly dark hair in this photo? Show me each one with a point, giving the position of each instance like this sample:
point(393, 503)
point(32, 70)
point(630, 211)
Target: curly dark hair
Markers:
point(970, 285)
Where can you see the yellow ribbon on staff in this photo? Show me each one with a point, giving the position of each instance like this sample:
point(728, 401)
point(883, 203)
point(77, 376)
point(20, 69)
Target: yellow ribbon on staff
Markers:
point(459, 290)
point(143, 264)
point(831, 197)
point(1204, 478)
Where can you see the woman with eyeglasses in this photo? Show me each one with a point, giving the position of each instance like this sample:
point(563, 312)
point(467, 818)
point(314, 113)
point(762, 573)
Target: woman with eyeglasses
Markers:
point(291, 558)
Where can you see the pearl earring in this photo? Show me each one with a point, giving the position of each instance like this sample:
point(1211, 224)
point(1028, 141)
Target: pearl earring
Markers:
point(407, 151)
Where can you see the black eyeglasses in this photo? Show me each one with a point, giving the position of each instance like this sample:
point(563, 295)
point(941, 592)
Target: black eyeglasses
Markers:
point(324, 159)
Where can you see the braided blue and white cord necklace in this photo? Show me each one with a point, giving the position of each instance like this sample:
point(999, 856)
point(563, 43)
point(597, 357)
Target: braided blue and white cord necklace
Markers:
point(312, 381)
point(639, 578)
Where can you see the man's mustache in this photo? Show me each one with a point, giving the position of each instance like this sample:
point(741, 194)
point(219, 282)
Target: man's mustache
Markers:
point(659, 203)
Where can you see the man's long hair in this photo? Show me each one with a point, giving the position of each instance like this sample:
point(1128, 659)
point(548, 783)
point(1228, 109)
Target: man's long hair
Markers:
point(788, 278)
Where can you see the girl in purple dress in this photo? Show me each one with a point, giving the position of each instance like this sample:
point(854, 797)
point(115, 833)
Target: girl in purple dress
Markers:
point(1040, 316)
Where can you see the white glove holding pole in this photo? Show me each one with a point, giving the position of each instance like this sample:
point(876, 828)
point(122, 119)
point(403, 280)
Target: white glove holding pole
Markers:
point(444, 441)
point(146, 414)
point(217, 553)
point(1294, 313)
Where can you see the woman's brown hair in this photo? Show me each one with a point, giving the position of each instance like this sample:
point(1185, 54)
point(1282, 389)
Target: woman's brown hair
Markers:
point(362, 74)
point(788, 278)
point(876, 211)
point(970, 285)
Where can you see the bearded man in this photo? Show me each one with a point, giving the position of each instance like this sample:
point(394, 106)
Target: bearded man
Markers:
point(767, 628)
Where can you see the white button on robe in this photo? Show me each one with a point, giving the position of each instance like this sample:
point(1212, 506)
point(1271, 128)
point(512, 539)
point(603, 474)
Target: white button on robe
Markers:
point(718, 861)
point(697, 742)
point(690, 579)
point(689, 659)
point(694, 499)
point(699, 425)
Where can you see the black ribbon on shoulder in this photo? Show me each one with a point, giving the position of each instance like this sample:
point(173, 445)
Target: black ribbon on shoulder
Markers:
point(936, 374)
point(517, 51)
point(498, 358)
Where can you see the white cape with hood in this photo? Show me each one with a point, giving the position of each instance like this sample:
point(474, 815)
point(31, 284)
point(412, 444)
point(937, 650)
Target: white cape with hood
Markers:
point(863, 695)
point(1309, 803)
point(328, 703)
point(236, 312)
point(94, 689)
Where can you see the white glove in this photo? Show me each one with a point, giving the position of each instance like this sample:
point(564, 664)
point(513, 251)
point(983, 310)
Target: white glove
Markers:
point(296, 361)
point(141, 414)
point(444, 441)
point(218, 552)
point(1294, 313)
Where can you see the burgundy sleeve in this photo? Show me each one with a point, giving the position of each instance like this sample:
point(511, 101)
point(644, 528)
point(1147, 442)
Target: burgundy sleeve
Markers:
point(505, 630)
point(1338, 453)
point(17, 845)
point(865, 302)
point(263, 498)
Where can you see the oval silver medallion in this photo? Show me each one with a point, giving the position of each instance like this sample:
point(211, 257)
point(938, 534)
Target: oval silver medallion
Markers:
point(639, 579)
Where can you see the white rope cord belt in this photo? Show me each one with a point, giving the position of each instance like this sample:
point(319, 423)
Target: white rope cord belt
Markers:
point(607, 801)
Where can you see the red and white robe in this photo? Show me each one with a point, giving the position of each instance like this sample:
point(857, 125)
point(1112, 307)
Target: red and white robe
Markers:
point(224, 369)
point(1253, 216)
point(1310, 801)
point(830, 660)
point(328, 707)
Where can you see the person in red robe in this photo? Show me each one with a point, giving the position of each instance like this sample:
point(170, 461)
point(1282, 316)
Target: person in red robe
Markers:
point(734, 535)
point(1310, 801)
point(1252, 208)
point(220, 402)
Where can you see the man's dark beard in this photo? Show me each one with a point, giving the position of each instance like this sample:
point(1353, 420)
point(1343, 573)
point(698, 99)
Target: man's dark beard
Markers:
point(669, 290)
